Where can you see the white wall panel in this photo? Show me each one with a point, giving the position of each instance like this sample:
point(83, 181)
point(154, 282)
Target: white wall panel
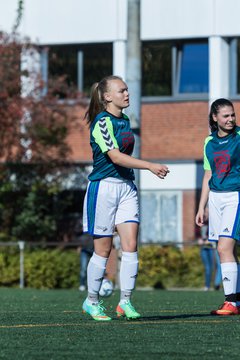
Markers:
point(81, 21)
point(185, 176)
point(227, 17)
point(72, 21)
point(167, 19)
point(7, 14)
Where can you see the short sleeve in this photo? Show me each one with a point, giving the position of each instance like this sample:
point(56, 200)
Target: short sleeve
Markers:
point(104, 135)
point(206, 164)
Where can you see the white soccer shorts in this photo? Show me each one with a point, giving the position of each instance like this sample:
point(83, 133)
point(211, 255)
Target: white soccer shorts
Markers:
point(107, 203)
point(224, 215)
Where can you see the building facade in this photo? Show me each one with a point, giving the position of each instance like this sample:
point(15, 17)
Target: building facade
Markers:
point(190, 56)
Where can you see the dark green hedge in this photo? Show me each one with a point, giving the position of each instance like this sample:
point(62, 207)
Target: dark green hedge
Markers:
point(42, 268)
point(164, 267)
point(159, 267)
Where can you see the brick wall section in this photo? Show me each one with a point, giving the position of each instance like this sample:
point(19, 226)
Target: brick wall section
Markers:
point(188, 215)
point(78, 138)
point(237, 110)
point(174, 131)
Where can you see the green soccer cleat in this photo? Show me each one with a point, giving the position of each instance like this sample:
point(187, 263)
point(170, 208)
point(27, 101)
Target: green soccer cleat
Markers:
point(96, 311)
point(127, 310)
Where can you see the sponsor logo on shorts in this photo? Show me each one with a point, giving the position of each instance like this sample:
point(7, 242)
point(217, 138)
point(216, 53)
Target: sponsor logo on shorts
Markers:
point(226, 279)
point(226, 230)
point(103, 228)
point(134, 276)
point(212, 234)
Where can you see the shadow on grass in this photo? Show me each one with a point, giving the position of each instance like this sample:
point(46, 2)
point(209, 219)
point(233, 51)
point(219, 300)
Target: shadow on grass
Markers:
point(174, 317)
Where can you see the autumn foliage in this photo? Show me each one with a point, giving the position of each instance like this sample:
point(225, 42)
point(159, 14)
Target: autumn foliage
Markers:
point(33, 145)
point(29, 121)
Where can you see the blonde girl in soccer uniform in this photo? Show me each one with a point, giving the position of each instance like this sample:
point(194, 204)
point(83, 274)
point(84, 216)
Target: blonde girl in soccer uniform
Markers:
point(221, 189)
point(111, 200)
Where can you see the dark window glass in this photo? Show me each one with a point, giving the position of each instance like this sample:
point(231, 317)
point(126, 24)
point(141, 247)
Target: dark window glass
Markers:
point(238, 67)
point(194, 68)
point(156, 69)
point(97, 63)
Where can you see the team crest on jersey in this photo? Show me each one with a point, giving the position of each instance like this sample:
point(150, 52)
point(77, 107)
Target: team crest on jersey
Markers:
point(127, 141)
point(222, 163)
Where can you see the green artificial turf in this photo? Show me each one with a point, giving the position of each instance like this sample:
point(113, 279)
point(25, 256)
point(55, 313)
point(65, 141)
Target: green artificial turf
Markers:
point(42, 324)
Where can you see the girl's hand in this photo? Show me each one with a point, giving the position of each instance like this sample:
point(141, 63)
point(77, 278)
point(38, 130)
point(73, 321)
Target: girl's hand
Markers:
point(200, 218)
point(160, 170)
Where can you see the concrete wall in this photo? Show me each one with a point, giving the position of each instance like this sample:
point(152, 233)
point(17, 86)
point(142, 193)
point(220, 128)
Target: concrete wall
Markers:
point(171, 19)
point(79, 21)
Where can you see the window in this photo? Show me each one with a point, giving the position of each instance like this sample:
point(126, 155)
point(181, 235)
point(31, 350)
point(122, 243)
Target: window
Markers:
point(235, 66)
point(96, 63)
point(174, 69)
point(156, 69)
point(161, 220)
point(238, 66)
point(192, 68)
point(168, 68)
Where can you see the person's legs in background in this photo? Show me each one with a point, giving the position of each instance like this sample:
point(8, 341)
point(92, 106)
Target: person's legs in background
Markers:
point(85, 256)
point(218, 272)
point(207, 259)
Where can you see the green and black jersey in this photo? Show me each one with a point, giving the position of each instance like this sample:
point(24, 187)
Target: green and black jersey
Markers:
point(222, 157)
point(108, 132)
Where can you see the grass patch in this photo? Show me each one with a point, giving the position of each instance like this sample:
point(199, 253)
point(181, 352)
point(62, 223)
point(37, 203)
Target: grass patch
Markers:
point(49, 324)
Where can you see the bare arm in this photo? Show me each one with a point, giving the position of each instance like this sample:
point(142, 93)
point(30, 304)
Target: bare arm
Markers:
point(127, 161)
point(204, 198)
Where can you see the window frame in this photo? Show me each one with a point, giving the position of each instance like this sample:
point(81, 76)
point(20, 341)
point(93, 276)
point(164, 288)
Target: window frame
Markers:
point(233, 68)
point(177, 68)
point(176, 71)
point(80, 51)
point(179, 221)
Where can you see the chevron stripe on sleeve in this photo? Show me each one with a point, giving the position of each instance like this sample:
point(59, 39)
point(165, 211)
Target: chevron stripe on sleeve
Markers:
point(103, 134)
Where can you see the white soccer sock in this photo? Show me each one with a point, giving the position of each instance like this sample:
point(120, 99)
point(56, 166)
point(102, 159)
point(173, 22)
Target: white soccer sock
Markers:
point(229, 279)
point(238, 285)
point(95, 272)
point(128, 274)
